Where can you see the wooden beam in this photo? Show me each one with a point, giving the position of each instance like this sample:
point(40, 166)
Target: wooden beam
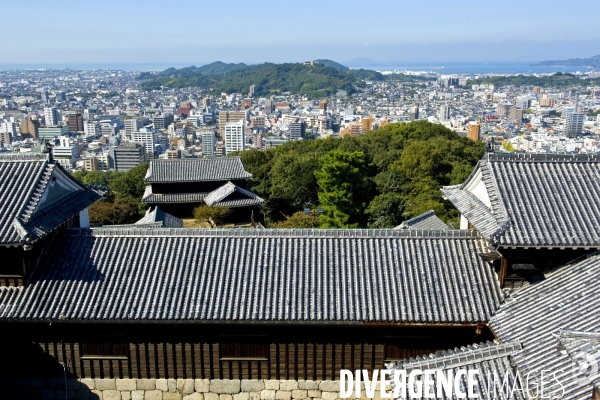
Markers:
point(503, 270)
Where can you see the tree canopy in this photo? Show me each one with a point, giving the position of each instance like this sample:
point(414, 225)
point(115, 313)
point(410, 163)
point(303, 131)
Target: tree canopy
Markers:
point(376, 180)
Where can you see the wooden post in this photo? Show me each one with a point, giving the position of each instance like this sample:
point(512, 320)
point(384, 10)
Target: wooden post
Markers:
point(503, 271)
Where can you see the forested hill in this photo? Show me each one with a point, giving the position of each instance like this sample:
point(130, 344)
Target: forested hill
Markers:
point(572, 62)
point(316, 80)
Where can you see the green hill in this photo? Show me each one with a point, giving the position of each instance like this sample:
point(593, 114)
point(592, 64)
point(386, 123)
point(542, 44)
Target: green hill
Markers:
point(554, 80)
point(332, 64)
point(316, 80)
point(572, 62)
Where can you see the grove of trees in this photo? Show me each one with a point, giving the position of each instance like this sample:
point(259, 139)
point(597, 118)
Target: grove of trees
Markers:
point(376, 180)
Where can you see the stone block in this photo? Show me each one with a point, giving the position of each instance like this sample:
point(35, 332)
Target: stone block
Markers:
point(267, 394)
point(111, 394)
point(87, 383)
point(82, 394)
point(308, 385)
point(172, 385)
point(225, 397)
point(314, 393)
point(185, 386)
point(330, 386)
point(145, 384)
point(288, 385)
point(153, 395)
point(254, 395)
point(161, 384)
point(137, 395)
point(105, 384)
point(96, 395)
point(271, 384)
point(171, 396)
point(241, 396)
point(202, 385)
point(125, 384)
point(283, 395)
point(211, 396)
point(125, 395)
point(222, 386)
point(194, 396)
point(299, 394)
point(252, 385)
point(330, 395)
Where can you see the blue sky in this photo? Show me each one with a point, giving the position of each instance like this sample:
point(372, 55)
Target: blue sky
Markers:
point(197, 32)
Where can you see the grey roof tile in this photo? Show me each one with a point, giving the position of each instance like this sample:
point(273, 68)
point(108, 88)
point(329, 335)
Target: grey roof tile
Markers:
point(196, 170)
point(154, 218)
point(488, 359)
point(170, 198)
point(537, 200)
point(427, 220)
point(218, 197)
point(23, 182)
point(569, 298)
point(584, 350)
point(260, 275)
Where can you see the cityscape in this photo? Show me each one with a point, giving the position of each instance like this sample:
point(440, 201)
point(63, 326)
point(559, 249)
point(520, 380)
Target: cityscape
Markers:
point(317, 201)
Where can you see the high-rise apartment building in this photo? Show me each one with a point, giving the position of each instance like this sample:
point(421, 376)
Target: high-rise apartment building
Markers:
point(209, 142)
point(93, 129)
point(123, 158)
point(234, 136)
point(367, 124)
point(162, 121)
point(574, 125)
point(30, 128)
point(516, 114)
point(75, 122)
point(147, 139)
point(134, 124)
point(473, 130)
point(413, 113)
point(444, 112)
point(268, 107)
point(51, 116)
point(230, 116)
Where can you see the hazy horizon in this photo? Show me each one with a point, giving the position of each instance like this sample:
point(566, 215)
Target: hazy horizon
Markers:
point(63, 32)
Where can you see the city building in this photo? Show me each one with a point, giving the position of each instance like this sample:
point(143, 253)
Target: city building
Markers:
point(413, 113)
point(134, 124)
point(75, 122)
point(234, 136)
point(148, 139)
point(474, 130)
point(125, 157)
point(367, 124)
point(574, 124)
point(93, 129)
point(246, 103)
point(51, 117)
point(162, 121)
point(30, 128)
point(52, 132)
point(226, 117)
point(209, 142)
point(444, 112)
point(65, 153)
point(297, 129)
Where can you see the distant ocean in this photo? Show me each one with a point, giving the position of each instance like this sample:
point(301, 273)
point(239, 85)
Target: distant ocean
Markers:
point(468, 68)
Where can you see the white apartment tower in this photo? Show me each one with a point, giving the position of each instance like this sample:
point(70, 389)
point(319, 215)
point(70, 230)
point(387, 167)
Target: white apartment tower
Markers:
point(209, 142)
point(574, 125)
point(51, 116)
point(234, 136)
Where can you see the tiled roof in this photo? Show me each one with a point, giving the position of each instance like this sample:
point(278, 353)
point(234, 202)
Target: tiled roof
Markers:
point(537, 200)
point(569, 298)
point(218, 197)
point(23, 182)
point(260, 275)
point(485, 358)
point(584, 350)
point(157, 215)
point(427, 220)
point(170, 198)
point(196, 170)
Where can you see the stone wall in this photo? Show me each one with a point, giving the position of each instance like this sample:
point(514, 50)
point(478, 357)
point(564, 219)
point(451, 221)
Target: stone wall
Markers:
point(175, 389)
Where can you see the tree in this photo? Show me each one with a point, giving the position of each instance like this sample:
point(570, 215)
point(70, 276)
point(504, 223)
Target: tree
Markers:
point(214, 216)
point(386, 210)
point(508, 146)
point(131, 184)
point(124, 211)
point(296, 220)
point(341, 180)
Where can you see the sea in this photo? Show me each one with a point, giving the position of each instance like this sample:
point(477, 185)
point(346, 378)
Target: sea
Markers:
point(466, 68)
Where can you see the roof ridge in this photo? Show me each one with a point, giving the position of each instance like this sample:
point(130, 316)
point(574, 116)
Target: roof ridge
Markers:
point(543, 157)
point(500, 213)
point(32, 199)
point(466, 355)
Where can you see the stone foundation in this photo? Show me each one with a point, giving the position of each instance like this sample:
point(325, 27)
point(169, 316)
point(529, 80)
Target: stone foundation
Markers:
point(175, 389)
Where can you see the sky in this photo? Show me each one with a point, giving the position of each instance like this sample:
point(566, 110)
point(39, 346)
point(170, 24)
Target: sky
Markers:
point(198, 32)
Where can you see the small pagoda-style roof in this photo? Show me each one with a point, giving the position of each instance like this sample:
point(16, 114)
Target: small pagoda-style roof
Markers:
point(196, 170)
point(230, 195)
